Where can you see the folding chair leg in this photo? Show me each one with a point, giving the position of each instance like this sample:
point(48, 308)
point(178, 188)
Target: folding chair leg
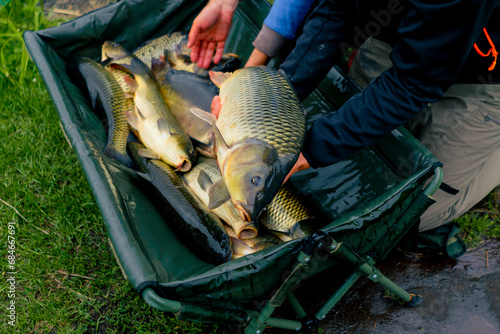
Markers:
point(366, 267)
point(339, 293)
point(259, 323)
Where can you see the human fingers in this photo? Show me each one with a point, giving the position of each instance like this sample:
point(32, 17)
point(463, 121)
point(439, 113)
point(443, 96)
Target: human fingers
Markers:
point(301, 164)
point(193, 33)
point(219, 52)
point(209, 54)
point(201, 55)
point(195, 51)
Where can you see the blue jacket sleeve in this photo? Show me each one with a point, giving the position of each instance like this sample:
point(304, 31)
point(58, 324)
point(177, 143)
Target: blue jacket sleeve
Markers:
point(433, 42)
point(287, 15)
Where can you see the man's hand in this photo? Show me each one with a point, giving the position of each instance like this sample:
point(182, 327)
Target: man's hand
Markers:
point(301, 164)
point(209, 32)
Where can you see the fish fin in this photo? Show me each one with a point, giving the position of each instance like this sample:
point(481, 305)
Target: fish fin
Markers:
point(159, 64)
point(204, 181)
point(205, 150)
point(218, 195)
point(128, 95)
point(240, 248)
point(132, 118)
point(231, 55)
point(216, 106)
point(283, 236)
point(185, 58)
point(209, 118)
point(147, 153)
point(130, 82)
point(94, 96)
point(132, 65)
point(204, 115)
point(163, 127)
point(170, 59)
point(219, 77)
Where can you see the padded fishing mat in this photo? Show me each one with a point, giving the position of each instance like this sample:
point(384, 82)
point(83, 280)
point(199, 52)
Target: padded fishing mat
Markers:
point(362, 200)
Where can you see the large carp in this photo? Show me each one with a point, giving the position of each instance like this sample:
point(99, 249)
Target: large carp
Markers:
point(172, 47)
point(258, 134)
point(103, 85)
point(158, 129)
point(182, 91)
point(201, 230)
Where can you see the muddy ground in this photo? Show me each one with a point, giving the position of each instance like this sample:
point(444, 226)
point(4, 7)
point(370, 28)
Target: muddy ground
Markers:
point(72, 8)
point(460, 296)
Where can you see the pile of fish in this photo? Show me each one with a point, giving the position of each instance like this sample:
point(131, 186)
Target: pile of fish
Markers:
point(219, 178)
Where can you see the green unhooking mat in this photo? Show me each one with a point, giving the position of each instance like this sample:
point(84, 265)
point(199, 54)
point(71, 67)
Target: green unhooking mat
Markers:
point(368, 201)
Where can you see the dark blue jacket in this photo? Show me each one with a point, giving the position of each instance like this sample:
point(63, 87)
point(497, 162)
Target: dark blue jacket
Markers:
point(432, 48)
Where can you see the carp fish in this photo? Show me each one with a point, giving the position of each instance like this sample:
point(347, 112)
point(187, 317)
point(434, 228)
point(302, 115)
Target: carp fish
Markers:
point(258, 134)
point(205, 181)
point(182, 91)
point(172, 47)
point(158, 129)
point(104, 86)
point(287, 217)
point(201, 230)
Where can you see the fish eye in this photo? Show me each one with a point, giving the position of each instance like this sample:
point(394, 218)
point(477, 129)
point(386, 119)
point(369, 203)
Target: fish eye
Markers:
point(256, 180)
point(115, 45)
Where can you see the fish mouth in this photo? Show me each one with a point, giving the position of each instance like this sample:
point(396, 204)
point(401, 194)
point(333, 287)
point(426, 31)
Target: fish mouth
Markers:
point(245, 216)
point(247, 232)
point(184, 166)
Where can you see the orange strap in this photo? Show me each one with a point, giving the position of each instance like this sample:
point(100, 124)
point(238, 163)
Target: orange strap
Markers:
point(491, 51)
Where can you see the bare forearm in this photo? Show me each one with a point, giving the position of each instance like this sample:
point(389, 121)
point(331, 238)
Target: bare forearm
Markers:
point(257, 58)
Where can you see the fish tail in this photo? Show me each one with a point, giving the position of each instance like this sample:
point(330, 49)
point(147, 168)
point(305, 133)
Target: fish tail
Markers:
point(117, 155)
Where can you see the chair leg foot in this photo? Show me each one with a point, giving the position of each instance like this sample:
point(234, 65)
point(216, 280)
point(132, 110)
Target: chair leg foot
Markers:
point(415, 300)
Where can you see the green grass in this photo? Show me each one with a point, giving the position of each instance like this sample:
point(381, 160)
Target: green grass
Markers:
point(482, 221)
point(67, 279)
